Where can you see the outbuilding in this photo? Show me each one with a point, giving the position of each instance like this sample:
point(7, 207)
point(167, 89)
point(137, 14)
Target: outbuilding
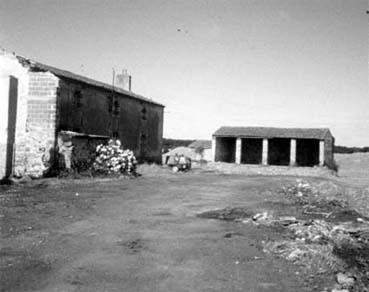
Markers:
point(43, 107)
point(274, 146)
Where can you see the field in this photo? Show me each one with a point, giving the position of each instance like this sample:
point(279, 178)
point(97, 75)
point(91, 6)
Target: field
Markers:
point(145, 234)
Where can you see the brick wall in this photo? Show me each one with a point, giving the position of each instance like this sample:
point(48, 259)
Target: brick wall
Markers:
point(35, 145)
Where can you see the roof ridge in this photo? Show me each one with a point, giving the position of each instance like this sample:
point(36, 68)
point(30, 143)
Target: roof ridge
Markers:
point(276, 132)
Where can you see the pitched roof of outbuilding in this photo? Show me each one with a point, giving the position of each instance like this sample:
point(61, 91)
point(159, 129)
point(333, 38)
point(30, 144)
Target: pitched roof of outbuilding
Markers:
point(69, 75)
point(182, 150)
point(206, 144)
point(267, 132)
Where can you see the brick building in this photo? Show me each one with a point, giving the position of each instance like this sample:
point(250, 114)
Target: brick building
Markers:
point(41, 105)
point(274, 146)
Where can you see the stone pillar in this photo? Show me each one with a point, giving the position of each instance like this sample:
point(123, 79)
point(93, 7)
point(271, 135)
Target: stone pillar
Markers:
point(321, 153)
point(265, 152)
point(213, 148)
point(238, 150)
point(293, 152)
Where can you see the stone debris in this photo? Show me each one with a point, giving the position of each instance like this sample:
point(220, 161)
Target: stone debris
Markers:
point(346, 281)
point(329, 237)
point(260, 216)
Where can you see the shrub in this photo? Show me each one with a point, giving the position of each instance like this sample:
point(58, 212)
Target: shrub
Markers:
point(113, 159)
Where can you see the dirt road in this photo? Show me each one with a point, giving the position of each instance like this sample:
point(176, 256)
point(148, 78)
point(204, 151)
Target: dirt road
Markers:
point(142, 235)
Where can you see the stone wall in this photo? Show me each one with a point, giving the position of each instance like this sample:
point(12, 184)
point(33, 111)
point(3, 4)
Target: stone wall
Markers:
point(328, 151)
point(77, 151)
point(35, 144)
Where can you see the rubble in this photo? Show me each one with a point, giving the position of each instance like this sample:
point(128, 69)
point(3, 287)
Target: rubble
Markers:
point(345, 281)
point(326, 237)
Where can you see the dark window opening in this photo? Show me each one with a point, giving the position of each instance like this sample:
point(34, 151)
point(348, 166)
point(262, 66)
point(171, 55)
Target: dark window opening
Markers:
point(116, 135)
point(116, 107)
point(110, 104)
point(77, 97)
point(144, 110)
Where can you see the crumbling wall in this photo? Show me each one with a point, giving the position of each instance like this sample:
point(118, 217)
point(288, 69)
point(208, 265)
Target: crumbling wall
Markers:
point(35, 143)
point(77, 151)
point(10, 66)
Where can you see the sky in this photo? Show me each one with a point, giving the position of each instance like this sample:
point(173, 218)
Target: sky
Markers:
point(212, 63)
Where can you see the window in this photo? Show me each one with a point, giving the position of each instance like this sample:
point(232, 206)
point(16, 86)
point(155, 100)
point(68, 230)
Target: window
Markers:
point(143, 112)
point(77, 98)
point(116, 107)
point(113, 105)
point(110, 104)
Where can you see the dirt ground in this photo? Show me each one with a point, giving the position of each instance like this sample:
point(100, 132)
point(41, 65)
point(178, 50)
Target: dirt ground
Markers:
point(144, 234)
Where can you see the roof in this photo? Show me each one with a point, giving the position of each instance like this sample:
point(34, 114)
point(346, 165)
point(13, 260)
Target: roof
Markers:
point(266, 132)
point(186, 151)
point(206, 144)
point(69, 75)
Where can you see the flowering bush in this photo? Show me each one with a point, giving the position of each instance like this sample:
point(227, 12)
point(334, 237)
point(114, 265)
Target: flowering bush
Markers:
point(112, 159)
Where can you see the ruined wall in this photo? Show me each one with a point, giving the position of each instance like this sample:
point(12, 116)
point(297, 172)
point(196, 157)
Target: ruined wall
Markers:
point(35, 144)
point(77, 152)
point(9, 66)
point(35, 117)
point(96, 111)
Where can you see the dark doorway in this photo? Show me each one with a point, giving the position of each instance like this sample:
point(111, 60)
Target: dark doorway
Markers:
point(251, 151)
point(279, 151)
point(12, 118)
point(307, 152)
point(225, 150)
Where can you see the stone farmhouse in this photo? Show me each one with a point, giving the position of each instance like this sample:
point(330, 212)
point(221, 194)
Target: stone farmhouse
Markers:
point(46, 112)
point(274, 146)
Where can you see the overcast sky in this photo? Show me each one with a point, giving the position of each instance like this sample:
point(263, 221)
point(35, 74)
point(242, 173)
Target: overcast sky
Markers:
point(288, 63)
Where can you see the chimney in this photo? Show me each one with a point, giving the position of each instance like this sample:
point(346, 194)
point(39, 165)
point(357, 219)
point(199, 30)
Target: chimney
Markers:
point(123, 80)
